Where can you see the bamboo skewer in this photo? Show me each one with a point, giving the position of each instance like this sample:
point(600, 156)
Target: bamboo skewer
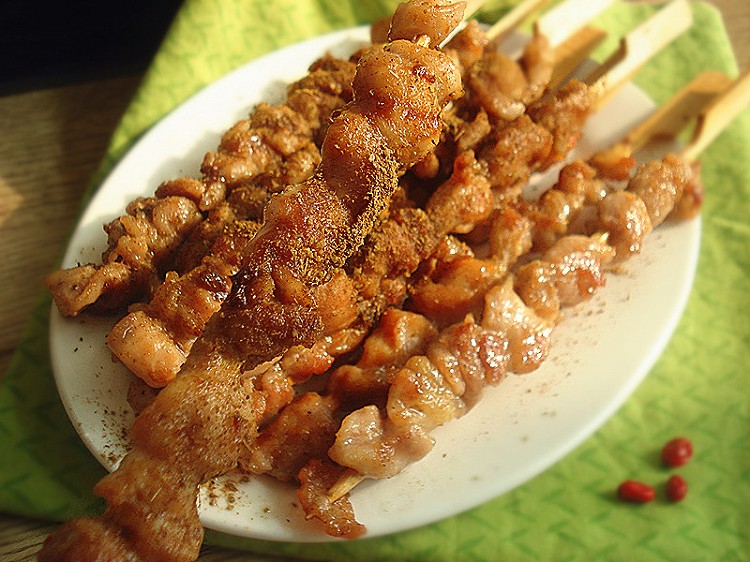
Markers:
point(638, 46)
point(675, 115)
point(571, 53)
point(472, 6)
point(513, 19)
point(565, 19)
point(722, 110)
point(345, 484)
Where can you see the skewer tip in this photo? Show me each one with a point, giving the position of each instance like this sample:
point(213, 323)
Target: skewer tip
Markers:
point(348, 481)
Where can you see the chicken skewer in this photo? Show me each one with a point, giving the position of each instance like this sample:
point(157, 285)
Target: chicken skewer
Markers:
point(153, 340)
point(651, 182)
point(275, 143)
point(589, 203)
point(198, 425)
point(534, 300)
point(549, 130)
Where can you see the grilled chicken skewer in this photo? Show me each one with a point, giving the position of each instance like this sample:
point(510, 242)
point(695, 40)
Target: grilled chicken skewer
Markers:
point(198, 425)
point(657, 185)
point(154, 339)
point(275, 144)
point(250, 429)
point(570, 270)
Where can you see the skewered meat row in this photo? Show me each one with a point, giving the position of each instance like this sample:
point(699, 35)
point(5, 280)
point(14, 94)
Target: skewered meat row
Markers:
point(519, 313)
point(585, 200)
point(273, 147)
point(151, 324)
point(544, 331)
point(198, 424)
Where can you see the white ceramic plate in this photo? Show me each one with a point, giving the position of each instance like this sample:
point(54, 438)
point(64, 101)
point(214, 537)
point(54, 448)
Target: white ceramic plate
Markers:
point(601, 350)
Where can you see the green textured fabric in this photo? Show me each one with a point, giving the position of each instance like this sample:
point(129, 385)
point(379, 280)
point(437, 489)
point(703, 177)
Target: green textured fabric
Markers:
point(698, 387)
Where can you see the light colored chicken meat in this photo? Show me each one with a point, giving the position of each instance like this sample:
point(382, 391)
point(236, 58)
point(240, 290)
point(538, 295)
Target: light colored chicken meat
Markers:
point(429, 390)
point(504, 88)
point(141, 247)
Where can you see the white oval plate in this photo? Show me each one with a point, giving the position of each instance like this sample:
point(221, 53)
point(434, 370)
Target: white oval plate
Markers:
point(601, 350)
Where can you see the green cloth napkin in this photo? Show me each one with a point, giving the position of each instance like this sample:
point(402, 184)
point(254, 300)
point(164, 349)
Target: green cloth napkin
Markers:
point(698, 388)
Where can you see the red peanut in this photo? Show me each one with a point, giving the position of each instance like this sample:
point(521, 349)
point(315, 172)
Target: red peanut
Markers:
point(676, 488)
point(634, 491)
point(677, 452)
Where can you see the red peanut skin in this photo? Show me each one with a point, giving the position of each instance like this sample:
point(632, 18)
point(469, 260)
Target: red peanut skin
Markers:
point(635, 492)
point(677, 488)
point(677, 452)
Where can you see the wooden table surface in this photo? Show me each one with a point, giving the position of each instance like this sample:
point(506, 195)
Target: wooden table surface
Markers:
point(51, 143)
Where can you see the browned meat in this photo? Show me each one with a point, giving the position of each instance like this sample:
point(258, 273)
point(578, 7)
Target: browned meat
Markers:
point(337, 517)
point(624, 216)
point(501, 86)
point(397, 336)
point(566, 207)
point(467, 46)
point(141, 248)
point(304, 429)
point(394, 249)
point(455, 288)
point(569, 272)
point(317, 225)
point(688, 205)
point(659, 184)
point(513, 152)
point(325, 89)
point(464, 200)
point(563, 115)
point(154, 340)
point(434, 19)
point(613, 163)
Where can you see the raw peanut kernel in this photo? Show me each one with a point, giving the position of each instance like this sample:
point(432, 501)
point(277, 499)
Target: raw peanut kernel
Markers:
point(676, 488)
point(677, 452)
point(636, 492)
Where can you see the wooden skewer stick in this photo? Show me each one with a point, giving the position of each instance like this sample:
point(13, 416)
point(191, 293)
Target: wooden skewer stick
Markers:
point(513, 19)
point(565, 19)
point(573, 51)
point(471, 7)
point(715, 118)
point(638, 46)
point(677, 113)
point(348, 481)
